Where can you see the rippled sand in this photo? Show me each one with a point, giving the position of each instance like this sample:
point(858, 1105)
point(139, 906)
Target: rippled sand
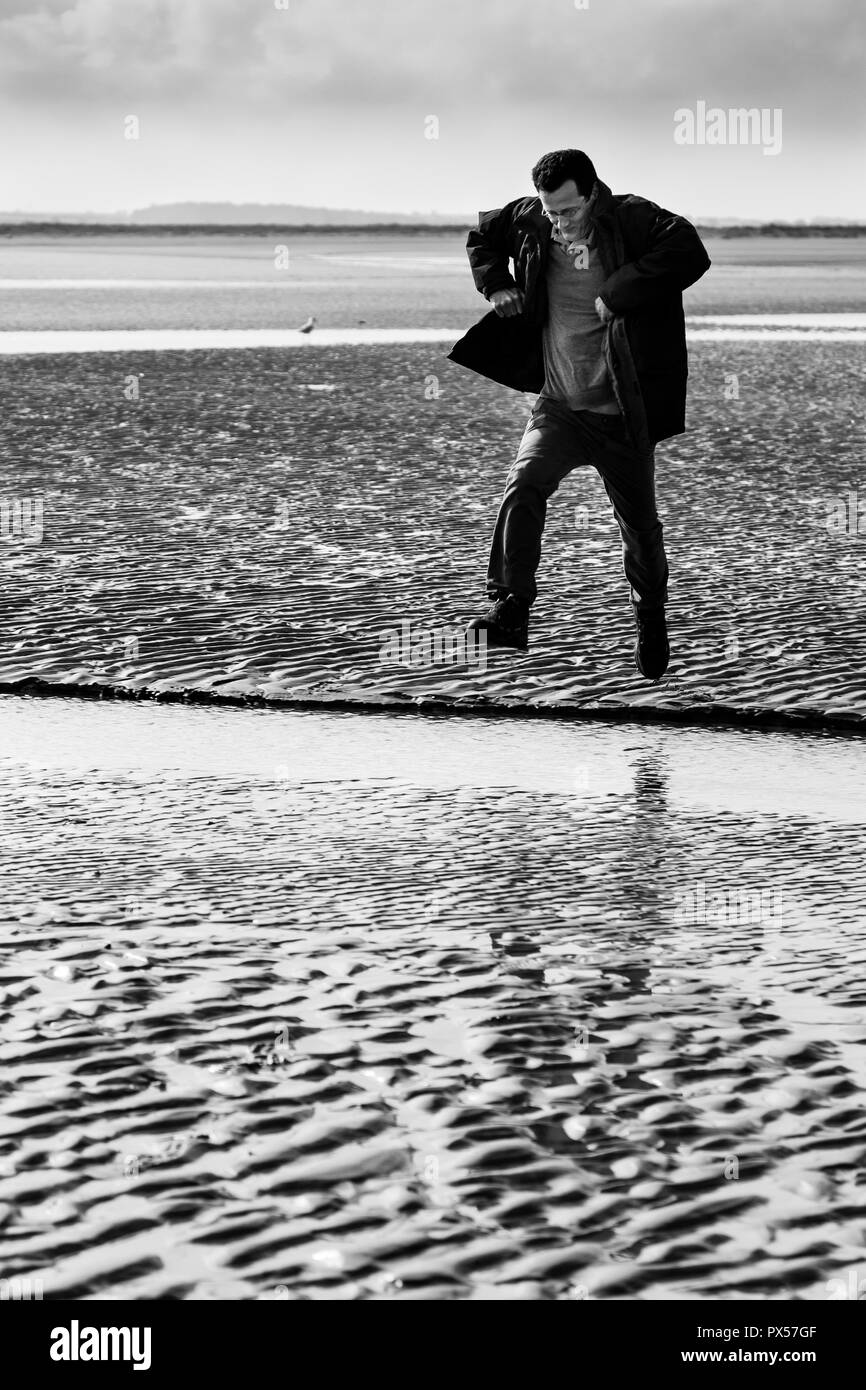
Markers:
point(259, 522)
point(333, 1006)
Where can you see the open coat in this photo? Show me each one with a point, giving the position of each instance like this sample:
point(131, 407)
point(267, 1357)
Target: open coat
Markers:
point(649, 257)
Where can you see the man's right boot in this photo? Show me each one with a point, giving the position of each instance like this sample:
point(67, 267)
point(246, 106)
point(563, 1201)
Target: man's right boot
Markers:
point(651, 650)
point(506, 623)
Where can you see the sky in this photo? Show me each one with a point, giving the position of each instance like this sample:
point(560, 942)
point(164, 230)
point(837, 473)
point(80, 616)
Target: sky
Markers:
point(429, 105)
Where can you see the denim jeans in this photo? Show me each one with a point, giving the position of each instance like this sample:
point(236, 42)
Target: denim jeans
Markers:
point(557, 440)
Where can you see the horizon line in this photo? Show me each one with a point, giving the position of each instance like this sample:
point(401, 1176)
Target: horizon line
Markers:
point(409, 218)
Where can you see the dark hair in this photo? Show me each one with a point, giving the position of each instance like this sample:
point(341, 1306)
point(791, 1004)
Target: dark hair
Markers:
point(556, 168)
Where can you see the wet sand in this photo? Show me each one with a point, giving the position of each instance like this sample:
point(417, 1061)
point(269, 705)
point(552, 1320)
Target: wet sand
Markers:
point(420, 280)
point(330, 1005)
point(334, 1006)
point(264, 522)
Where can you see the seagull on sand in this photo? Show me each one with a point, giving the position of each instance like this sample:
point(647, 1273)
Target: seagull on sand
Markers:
point(308, 326)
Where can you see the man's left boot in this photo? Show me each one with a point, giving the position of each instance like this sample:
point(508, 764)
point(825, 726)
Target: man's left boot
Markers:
point(651, 650)
point(505, 624)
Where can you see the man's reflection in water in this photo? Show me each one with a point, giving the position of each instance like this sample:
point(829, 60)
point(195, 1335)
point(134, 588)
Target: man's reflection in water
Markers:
point(615, 917)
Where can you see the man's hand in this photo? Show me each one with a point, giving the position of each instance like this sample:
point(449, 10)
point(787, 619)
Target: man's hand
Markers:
point(603, 312)
point(507, 303)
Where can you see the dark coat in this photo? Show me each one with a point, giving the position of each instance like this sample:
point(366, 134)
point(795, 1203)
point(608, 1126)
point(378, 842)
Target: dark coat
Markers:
point(649, 257)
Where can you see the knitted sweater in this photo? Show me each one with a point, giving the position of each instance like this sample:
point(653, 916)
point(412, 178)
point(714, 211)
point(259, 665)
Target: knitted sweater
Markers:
point(575, 372)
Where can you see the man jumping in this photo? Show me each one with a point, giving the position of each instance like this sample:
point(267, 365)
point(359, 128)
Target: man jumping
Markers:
point(592, 321)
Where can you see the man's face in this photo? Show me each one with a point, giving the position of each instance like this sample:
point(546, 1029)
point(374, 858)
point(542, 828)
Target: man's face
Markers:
point(563, 207)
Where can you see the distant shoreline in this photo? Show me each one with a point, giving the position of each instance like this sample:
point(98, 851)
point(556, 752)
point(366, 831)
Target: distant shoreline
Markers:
point(233, 229)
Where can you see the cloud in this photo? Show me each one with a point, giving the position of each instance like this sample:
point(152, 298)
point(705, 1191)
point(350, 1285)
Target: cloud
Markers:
point(249, 54)
point(96, 49)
